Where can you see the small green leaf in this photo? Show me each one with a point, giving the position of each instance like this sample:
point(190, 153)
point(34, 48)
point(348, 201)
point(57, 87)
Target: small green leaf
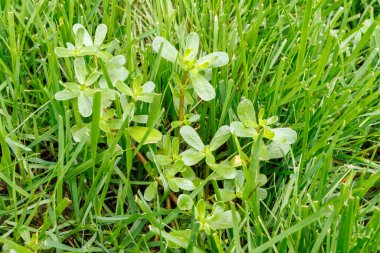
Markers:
point(176, 239)
point(272, 120)
point(92, 78)
point(284, 135)
point(261, 113)
point(166, 144)
point(116, 61)
point(214, 60)
point(107, 94)
point(183, 183)
point(169, 52)
point(142, 119)
point(25, 234)
point(109, 114)
point(80, 134)
point(122, 87)
point(151, 191)
point(277, 150)
point(201, 86)
point(210, 158)
point(262, 193)
point(104, 55)
point(217, 210)
point(183, 235)
point(129, 110)
point(263, 152)
point(175, 146)
point(239, 183)
point(72, 86)
point(194, 117)
point(117, 74)
point(80, 70)
point(86, 40)
point(146, 97)
point(178, 166)
point(65, 95)
point(84, 105)
point(148, 87)
point(79, 37)
point(138, 132)
point(246, 111)
point(191, 156)
point(100, 34)
point(220, 137)
point(192, 45)
point(176, 123)
point(221, 220)
point(164, 159)
point(226, 195)
point(262, 179)
point(104, 126)
point(236, 161)
point(91, 50)
point(189, 173)
point(192, 138)
point(200, 211)
point(224, 170)
point(238, 129)
point(268, 133)
point(136, 85)
point(173, 186)
point(185, 202)
point(64, 52)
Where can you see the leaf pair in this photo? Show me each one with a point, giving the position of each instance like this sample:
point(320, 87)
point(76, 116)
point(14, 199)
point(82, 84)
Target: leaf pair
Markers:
point(187, 61)
point(138, 92)
point(80, 90)
point(171, 164)
point(188, 119)
point(199, 151)
point(235, 188)
point(115, 70)
point(83, 42)
point(176, 238)
point(249, 127)
point(174, 182)
point(218, 219)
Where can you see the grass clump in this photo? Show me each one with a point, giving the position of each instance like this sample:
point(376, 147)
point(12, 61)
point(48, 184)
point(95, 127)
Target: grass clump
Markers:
point(178, 126)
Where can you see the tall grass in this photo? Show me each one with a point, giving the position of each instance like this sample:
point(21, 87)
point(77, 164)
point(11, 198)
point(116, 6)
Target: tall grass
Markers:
point(315, 64)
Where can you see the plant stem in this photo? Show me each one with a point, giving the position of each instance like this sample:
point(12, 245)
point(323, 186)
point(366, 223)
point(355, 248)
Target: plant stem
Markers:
point(143, 160)
point(140, 156)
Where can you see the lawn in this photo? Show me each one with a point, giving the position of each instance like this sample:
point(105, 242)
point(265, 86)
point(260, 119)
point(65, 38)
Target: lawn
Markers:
point(190, 126)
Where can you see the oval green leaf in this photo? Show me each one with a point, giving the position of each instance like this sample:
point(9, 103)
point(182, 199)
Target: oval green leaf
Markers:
point(138, 133)
point(185, 202)
point(192, 138)
point(213, 60)
point(84, 105)
point(220, 137)
point(168, 52)
point(201, 86)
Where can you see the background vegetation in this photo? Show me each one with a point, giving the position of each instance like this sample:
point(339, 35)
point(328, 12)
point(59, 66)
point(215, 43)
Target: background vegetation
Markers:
point(314, 64)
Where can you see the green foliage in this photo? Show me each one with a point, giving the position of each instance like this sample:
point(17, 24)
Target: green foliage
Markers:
point(188, 62)
point(250, 126)
point(139, 126)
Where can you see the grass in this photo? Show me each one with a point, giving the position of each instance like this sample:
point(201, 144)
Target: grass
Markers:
point(315, 64)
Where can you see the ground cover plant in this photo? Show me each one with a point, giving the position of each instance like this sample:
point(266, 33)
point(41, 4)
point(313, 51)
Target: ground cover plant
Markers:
point(189, 126)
